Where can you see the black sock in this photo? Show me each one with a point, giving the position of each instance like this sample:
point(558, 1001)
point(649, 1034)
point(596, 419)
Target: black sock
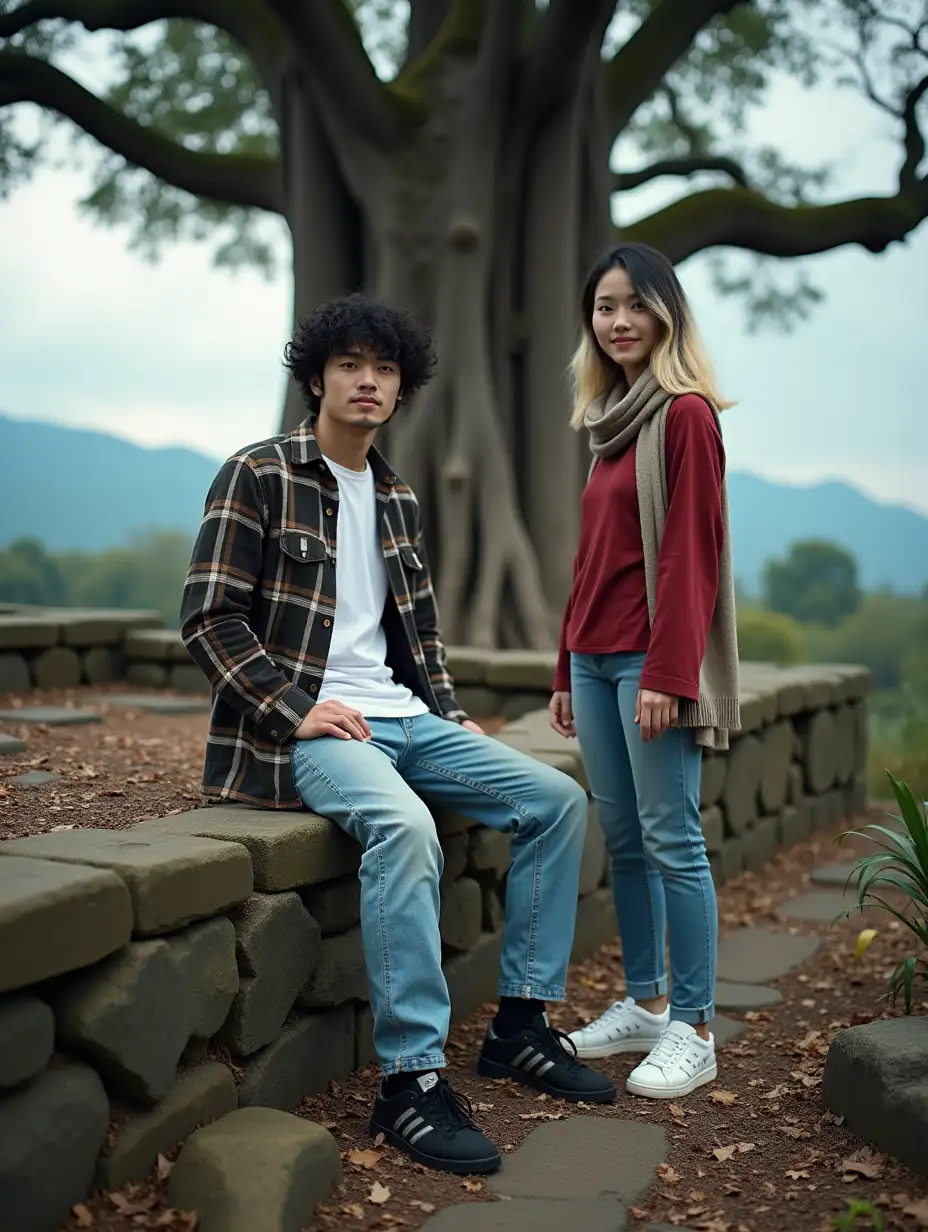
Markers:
point(394, 1083)
point(514, 1014)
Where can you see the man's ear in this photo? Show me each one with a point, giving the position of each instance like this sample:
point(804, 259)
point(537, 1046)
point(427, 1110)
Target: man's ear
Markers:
point(316, 386)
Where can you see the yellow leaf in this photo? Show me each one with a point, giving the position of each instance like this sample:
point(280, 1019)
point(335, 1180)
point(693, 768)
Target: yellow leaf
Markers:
point(379, 1194)
point(364, 1159)
point(864, 941)
point(723, 1153)
point(723, 1097)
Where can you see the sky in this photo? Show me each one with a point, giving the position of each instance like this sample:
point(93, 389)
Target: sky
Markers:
point(180, 353)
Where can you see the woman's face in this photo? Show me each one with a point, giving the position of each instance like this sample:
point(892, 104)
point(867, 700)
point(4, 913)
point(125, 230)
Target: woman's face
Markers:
point(625, 329)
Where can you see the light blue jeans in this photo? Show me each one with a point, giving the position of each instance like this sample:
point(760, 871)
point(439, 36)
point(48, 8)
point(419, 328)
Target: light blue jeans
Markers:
point(374, 790)
point(647, 802)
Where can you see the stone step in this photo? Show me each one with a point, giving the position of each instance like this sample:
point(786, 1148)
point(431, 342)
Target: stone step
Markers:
point(758, 955)
point(51, 716)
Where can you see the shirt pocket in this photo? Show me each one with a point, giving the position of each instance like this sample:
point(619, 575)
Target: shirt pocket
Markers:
point(302, 547)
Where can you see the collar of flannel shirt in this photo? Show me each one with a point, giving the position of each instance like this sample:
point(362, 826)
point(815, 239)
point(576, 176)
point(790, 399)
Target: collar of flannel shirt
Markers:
point(304, 451)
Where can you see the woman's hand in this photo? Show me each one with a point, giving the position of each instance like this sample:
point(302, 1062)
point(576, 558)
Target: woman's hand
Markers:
point(561, 715)
point(654, 712)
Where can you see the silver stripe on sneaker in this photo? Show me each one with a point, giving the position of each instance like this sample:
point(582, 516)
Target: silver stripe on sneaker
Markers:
point(543, 1069)
point(400, 1120)
point(416, 1136)
point(526, 1052)
point(412, 1125)
point(533, 1061)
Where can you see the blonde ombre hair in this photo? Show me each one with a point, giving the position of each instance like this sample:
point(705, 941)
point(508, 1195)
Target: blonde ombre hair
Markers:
point(679, 360)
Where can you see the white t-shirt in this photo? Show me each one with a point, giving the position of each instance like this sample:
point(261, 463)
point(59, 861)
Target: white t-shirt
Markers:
point(356, 671)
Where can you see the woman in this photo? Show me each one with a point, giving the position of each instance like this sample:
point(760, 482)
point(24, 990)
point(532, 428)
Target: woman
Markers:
point(648, 668)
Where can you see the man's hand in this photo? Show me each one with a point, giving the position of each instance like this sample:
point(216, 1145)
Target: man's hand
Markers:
point(561, 715)
point(474, 727)
point(333, 718)
point(654, 712)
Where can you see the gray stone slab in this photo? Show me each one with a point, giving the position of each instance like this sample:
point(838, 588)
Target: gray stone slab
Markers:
point(154, 704)
point(473, 977)
point(729, 996)
point(20, 632)
point(595, 924)
point(530, 1215)
point(27, 1036)
point(172, 880)
point(817, 906)
point(876, 1077)
point(758, 955)
point(584, 1158)
point(726, 1029)
point(187, 678)
point(59, 667)
point(147, 675)
point(51, 1130)
point(257, 1169)
point(521, 669)
point(461, 913)
point(51, 716)
point(339, 975)
point(712, 780)
point(88, 626)
point(336, 905)
point(10, 745)
point(760, 842)
point(287, 849)
point(14, 674)
point(35, 778)
point(160, 645)
point(491, 851)
point(55, 918)
point(101, 665)
point(200, 1095)
point(467, 664)
point(278, 945)
point(305, 1057)
point(454, 855)
point(133, 1014)
point(836, 875)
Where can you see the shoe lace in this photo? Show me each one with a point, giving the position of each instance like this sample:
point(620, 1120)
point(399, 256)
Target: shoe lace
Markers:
point(557, 1045)
point(667, 1049)
point(616, 1010)
point(448, 1109)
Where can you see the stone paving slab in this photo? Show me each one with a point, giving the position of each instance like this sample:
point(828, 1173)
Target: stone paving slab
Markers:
point(530, 1215)
point(56, 918)
point(817, 906)
point(726, 1029)
point(287, 849)
point(51, 716)
point(172, 881)
point(836, 874)
point(758, 955)
point(35, 778)
point(10, 745)
point(741, 997)
point(584, 1158)
point(154, 704)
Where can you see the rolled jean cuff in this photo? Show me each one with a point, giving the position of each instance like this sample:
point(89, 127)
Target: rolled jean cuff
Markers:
point(694, 1017)
point(534, 992)
point(644, 992)
point(405, 1065)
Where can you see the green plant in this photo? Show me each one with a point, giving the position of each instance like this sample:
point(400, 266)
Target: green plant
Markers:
point(858, 1208)
point(770, 637)
point(900, 863)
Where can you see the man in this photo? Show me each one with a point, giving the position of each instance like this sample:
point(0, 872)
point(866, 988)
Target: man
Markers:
point(309, 605)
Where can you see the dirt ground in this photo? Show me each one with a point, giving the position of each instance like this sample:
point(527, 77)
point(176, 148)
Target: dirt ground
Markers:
point(755, 1152)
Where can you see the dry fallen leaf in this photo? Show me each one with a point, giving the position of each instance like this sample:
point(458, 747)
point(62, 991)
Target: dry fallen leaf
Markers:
point(918, 1211)
point(379, 1140)
point(677, 1112)
point(864, 1163)
point(379, 1194)
point(365, 1159)
point(723, 1153)
point(744, 1147)
point(425, 1207)
point(797, 1174)
point(82, 1215)
point(727, 1098)
point(777, 1093)
point(668, 1174)
point(165, 1167)
point(472, 1185)
point(354, 1210)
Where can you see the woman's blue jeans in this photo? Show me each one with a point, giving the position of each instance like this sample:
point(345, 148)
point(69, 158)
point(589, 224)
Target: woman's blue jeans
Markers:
point(647, 802)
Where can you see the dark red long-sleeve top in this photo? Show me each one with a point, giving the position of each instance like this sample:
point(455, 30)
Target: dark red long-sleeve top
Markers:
point(607, 611)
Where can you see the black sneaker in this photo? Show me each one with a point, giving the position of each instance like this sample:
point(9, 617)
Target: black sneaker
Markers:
point(433, 1124)
point(542, 1057)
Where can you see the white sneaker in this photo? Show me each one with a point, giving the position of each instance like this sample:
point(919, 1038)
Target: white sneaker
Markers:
point(624, 1027)
point(680, 1063)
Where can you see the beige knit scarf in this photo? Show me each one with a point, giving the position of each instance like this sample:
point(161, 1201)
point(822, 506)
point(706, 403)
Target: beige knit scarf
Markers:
point(614, 422)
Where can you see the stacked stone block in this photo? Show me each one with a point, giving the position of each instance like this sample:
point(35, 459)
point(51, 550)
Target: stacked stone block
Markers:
point(60, 648)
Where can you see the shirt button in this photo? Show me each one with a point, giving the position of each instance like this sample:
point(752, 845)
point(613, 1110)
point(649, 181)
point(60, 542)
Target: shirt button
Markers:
point(314, 688)
point(274, 734)
point(329, 512)
point(326, 623)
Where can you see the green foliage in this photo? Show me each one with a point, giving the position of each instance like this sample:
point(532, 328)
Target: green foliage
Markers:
point(898, 738)
point(858, 1209)
point(900, 865)
point(889, 633)
point(817, 581)
point(770, 637)
point(149, 573)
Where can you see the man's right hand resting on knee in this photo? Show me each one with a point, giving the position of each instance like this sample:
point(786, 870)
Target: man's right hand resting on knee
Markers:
point(309, 605)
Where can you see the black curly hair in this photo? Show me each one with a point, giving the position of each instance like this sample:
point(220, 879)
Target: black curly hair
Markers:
point(368, 324)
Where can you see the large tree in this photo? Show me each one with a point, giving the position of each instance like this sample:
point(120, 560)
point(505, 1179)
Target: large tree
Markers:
point(471, 178)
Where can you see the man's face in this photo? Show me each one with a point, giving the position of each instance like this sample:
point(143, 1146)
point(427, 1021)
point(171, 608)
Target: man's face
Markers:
point(359, 388)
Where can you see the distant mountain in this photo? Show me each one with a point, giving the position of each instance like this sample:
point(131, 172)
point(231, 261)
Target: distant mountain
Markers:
point(73, 488)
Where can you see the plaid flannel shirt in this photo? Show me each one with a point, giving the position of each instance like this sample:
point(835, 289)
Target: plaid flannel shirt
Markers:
point(259, 606)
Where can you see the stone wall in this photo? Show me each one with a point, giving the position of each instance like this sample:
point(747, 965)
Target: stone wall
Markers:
point(60, 648)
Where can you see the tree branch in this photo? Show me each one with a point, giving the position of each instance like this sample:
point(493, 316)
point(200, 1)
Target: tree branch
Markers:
point(666, 34)
point(246, 180)
point(426, 18)
point(914, 138)
point(556, 60)
point(325, 34)
point(248, 22)
point(741, 218)
point(624, 181)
